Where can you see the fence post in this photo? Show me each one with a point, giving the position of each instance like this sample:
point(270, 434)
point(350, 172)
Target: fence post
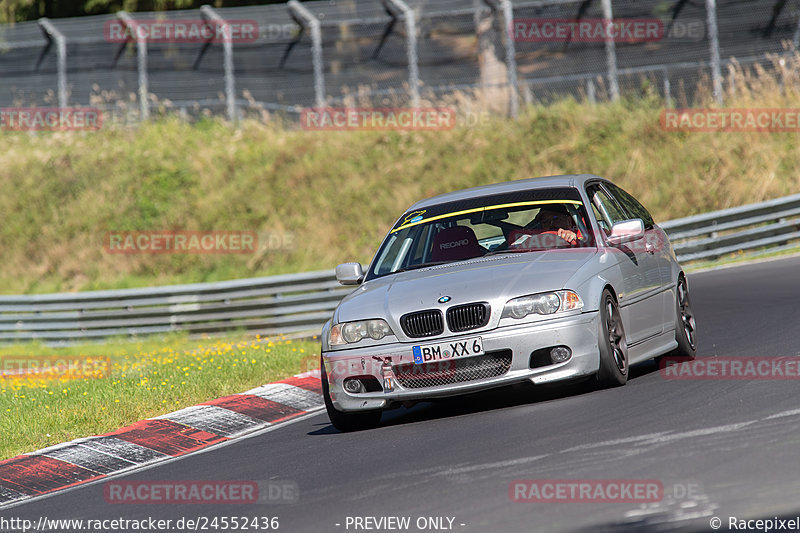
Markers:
point(399, 7)
point(227, 48)
point(713, 43)
point(506, 10)
point(796, 36)
point(141, 63)
point(591, 93)
point(611, 51)
point(300, 13)
point(61, 51)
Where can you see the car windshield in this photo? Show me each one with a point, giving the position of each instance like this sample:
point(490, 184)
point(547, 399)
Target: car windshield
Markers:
point(521, 222)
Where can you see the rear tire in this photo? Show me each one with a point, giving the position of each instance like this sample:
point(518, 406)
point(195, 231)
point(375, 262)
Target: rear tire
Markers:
point(342, 421)
point(613, 370)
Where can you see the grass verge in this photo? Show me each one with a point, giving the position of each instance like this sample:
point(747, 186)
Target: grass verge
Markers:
point(156, 376)
point(319, 198)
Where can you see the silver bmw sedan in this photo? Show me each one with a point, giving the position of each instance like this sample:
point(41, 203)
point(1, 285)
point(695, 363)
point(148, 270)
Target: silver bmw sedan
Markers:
point(541, 280)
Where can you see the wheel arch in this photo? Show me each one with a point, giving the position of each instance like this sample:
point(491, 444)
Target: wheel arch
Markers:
point(592, 292)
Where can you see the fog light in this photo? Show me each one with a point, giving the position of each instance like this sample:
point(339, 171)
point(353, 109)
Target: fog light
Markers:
point(559, 354)
point(386, 373)
point(354, 386)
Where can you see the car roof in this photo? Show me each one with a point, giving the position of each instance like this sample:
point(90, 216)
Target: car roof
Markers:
point(545, 182)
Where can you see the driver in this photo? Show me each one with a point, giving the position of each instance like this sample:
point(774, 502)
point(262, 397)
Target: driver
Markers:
point(555, 218)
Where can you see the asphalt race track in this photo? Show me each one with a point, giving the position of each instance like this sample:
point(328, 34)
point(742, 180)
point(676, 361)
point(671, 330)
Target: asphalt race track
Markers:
point(720, 448)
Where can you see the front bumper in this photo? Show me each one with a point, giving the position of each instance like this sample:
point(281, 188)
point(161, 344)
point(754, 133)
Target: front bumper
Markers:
point(578, 332)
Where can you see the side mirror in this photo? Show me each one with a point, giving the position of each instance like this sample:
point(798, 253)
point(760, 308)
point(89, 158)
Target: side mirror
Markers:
point(350, 273)
point(626, 231)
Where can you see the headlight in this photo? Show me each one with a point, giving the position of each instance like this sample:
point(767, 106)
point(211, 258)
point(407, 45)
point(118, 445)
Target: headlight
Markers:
point(351, 332)
point(546, 303)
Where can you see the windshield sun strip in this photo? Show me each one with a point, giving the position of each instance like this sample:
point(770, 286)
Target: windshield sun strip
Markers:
point(478, 209)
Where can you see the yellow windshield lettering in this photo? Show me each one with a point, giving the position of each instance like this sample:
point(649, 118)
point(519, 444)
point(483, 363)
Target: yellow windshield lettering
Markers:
point(479, 209)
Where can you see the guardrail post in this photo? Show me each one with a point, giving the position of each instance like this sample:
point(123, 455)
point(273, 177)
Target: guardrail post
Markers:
point(52, 34)
point(400, 8)
point(611, 52)
point(227, 47)
point(304, 17)
point(141, 63)
point(506, 10)
point(713, 43)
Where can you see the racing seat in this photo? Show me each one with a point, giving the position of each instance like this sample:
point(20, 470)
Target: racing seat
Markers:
point(456, 244)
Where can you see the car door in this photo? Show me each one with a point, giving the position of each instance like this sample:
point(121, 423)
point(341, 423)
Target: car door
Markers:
point(640, 306)
point(657, 244)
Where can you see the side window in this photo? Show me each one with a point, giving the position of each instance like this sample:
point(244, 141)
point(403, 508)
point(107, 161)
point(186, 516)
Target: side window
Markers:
point(631, 205)
point(605, 209)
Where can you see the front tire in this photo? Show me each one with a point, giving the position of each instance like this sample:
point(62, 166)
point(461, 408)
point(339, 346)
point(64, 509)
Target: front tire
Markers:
point(342, 421)
point(613, 370)
point(685, 325)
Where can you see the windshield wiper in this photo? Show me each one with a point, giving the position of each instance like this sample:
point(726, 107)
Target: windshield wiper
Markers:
point(420, 265)
point(513, 251)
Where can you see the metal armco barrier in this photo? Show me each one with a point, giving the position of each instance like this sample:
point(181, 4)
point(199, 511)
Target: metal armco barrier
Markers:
point(748, 227)
point(304, 302)
point(269, 305)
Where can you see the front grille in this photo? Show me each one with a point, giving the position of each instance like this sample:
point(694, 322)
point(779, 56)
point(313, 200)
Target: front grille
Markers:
point(466, 317)
point(449, 371)
point(422, 323)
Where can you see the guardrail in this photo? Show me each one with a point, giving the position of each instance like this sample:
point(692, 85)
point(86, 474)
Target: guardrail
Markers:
point(749, 227)
point(303, 302)
point(268, 305)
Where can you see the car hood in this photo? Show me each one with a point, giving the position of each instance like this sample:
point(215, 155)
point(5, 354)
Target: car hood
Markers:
point(494, 279)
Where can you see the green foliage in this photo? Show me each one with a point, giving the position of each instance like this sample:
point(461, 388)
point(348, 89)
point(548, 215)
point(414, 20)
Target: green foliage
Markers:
point(319, 198)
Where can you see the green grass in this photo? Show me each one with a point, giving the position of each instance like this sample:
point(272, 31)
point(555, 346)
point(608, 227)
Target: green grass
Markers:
point(332, 195)
point(147, 379)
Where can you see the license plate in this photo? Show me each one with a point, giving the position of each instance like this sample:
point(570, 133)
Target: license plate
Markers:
point(429, 353)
